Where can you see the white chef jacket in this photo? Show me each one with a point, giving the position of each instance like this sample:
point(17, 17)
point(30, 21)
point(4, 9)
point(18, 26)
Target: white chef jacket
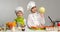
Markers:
point(34, 19)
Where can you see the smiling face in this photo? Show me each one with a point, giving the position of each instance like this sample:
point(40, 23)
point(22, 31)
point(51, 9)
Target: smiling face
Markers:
point(34, 9)
point(19, 14)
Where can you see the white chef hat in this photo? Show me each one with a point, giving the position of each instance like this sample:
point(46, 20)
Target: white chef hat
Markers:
point(19, 9)
point(30, 5)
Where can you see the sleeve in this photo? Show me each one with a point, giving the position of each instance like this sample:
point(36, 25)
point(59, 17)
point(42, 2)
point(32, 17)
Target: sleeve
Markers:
point(25, 21)
point(30, 21)
point(43, 21)
point(16, 22)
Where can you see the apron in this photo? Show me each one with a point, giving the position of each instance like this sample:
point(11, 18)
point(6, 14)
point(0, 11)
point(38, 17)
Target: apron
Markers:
point(20, 21)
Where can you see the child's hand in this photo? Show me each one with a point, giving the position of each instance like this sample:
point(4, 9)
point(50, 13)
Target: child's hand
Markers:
point(23, 25)
point(34, 27)
point(42, 26)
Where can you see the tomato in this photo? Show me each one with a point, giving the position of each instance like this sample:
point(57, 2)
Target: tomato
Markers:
point(58, 24)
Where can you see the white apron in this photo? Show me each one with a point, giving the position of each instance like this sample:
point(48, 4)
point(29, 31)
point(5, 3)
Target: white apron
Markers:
point(34, 19)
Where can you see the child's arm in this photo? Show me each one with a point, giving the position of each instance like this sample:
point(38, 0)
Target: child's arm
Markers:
point(16, 22)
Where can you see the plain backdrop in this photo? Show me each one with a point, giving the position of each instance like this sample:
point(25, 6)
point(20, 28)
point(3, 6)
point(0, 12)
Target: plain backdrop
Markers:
point(7, 9)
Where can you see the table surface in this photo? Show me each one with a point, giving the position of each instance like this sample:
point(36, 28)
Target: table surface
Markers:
point(29, 30)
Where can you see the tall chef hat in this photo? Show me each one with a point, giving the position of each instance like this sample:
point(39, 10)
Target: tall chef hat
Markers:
point(19, 9)
point(30, 5)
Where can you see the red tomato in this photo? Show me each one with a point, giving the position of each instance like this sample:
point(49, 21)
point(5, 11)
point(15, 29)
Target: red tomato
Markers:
point(58, 23)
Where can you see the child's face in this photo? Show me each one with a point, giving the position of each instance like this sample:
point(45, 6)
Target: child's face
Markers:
point(19, 14)
point(34, 9)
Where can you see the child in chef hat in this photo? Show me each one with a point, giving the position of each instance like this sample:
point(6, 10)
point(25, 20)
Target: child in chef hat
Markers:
point(20, 19)
point(33, 18)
